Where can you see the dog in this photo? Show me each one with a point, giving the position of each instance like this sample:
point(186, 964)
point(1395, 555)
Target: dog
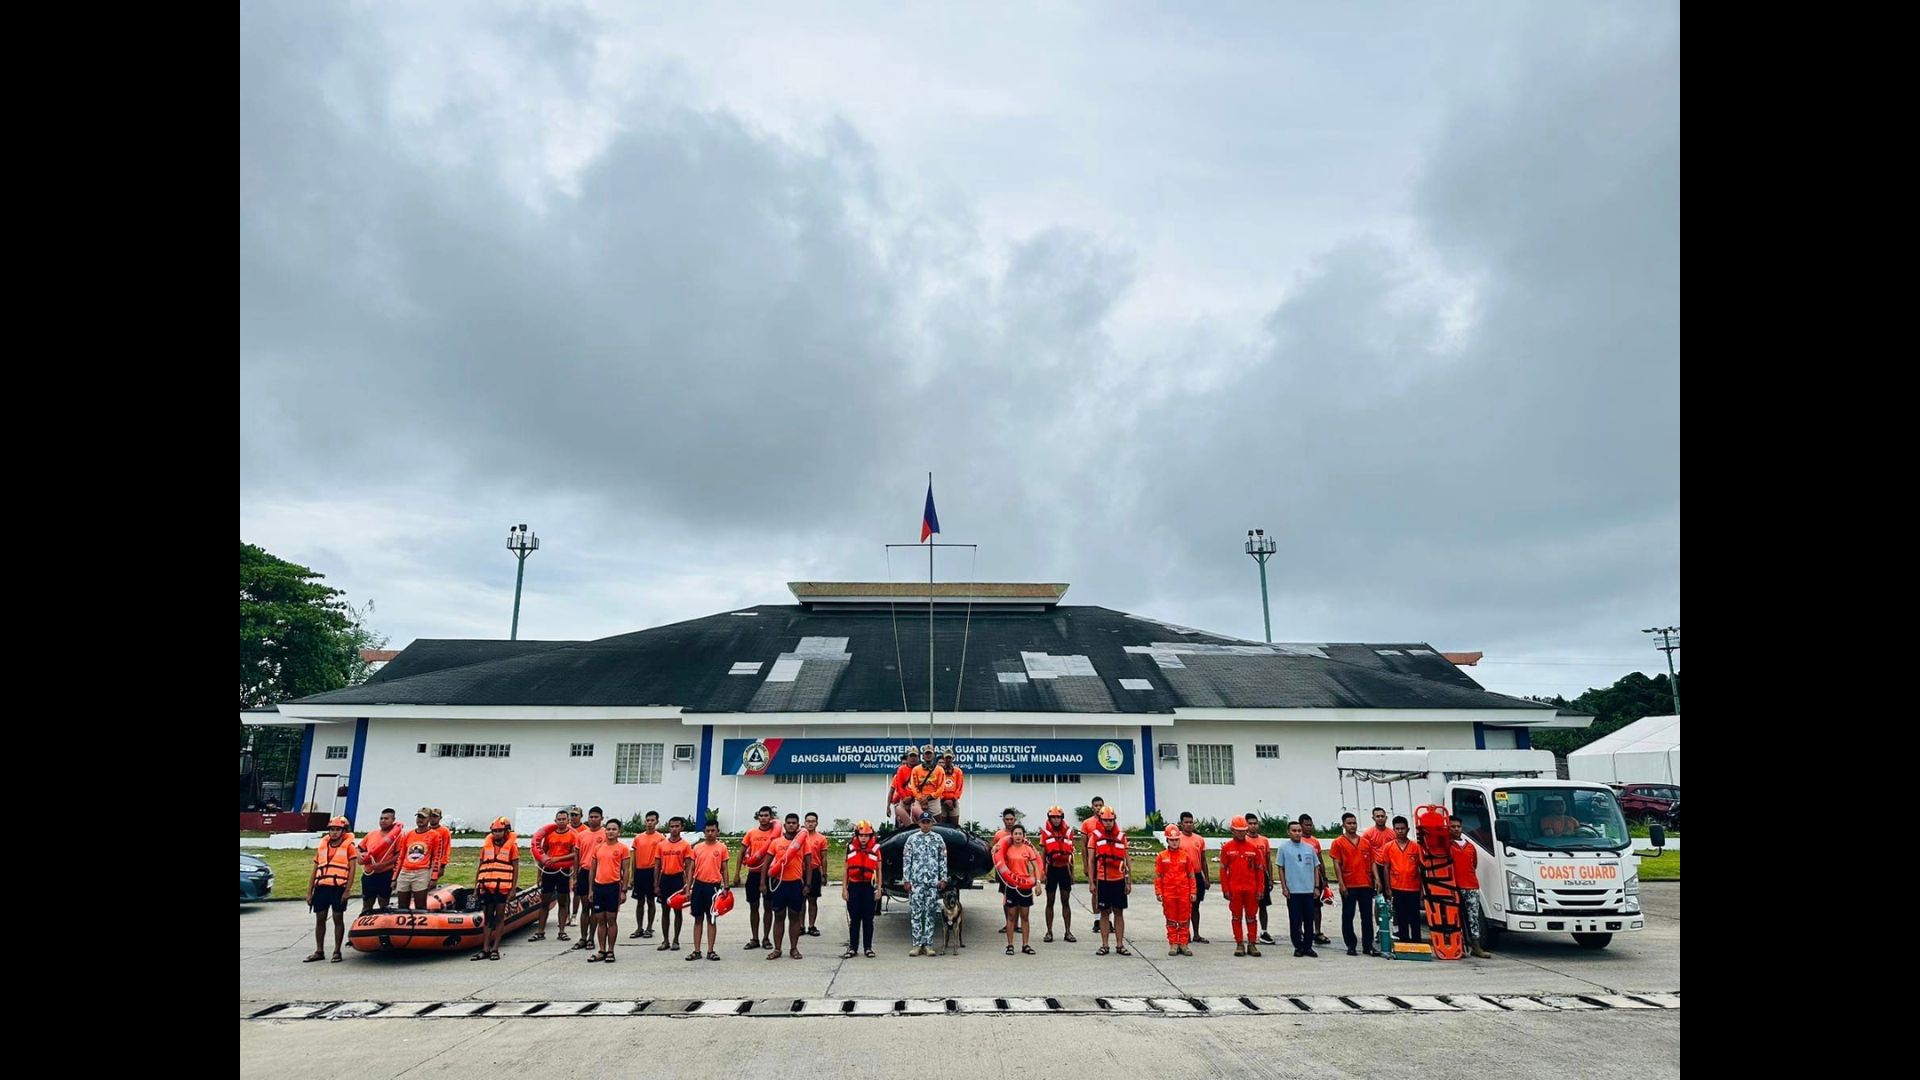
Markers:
point(954, 914)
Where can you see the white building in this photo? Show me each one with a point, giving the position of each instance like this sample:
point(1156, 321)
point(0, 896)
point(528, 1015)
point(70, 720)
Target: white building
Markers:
point(807, 706)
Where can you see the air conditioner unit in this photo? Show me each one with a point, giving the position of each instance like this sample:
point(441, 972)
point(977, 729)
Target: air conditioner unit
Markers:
point(1169, 751)
point(683, 752)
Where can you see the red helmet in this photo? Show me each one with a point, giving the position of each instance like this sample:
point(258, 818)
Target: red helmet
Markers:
point(723, 903)
point(677, 901)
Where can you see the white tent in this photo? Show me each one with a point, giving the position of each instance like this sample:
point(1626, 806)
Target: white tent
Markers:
point(1646, 751)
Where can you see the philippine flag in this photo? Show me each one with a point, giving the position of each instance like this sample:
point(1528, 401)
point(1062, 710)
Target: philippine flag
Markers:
point(929, 521)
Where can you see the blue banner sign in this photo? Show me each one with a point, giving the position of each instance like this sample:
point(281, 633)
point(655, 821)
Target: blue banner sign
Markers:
point(788, 757)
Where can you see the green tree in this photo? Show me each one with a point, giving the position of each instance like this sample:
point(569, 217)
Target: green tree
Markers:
point(1632, 697)
point(297, 637)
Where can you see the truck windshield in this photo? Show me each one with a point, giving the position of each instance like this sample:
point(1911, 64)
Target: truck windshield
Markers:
point(1562, 818)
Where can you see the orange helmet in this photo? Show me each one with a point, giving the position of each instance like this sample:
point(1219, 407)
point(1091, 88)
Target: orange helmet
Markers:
point(1173, 832)
point(863, 825)
point(1107, 813)
point(501, 823)
point(1237, 823)
point(337, 823)
point(1054, 811)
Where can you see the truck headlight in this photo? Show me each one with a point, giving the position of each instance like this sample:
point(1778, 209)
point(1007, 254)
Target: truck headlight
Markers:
point(1633, 885)
point(1518, 884)
point(1524, 902)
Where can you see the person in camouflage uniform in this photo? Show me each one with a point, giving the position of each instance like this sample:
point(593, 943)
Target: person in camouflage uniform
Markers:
point(923, 866)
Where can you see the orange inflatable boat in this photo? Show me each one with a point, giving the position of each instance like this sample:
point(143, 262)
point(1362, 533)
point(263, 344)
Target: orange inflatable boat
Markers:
point(452, 922)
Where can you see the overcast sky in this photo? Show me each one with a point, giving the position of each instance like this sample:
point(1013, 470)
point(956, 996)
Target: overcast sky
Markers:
point(703, 295)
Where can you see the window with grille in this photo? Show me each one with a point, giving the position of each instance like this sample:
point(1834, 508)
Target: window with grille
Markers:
point(812, 778)
point(1266, 749)
point(336, 753)
point(581, 749)
point(468, 749)
point(1209, 763)
point(638, 763)
point(1042, 778)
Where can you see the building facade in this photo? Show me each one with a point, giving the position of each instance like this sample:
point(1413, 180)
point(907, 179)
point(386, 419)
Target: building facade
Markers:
point(807, 706)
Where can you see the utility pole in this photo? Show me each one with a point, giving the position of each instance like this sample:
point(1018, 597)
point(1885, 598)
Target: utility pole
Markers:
point(1669, 644)
point(1261, 547)
point(522, 543)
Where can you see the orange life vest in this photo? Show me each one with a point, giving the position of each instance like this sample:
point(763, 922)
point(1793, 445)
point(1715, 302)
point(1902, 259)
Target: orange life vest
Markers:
point(1057, 845)
point(1110, 854)
point(333, 863)
point(950, 787)
point(863, 864)
point(496, 865)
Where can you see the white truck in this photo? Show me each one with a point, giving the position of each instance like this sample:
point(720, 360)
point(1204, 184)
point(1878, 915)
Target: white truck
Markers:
point(1555, 856)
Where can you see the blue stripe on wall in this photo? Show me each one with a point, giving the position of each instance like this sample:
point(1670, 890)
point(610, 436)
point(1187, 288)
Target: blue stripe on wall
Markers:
point(1523, 738)
point(306, 766)
point(706, 776)
point(1148, 763)
point(1479, 735)
point(353, 776)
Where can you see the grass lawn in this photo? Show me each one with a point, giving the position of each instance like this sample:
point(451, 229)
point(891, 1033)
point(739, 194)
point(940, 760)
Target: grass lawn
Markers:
point(1664, 868)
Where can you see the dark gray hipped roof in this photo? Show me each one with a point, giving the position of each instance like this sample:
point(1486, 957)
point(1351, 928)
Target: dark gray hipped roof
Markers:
point(785, 658)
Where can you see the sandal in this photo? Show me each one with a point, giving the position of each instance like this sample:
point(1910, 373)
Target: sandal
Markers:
point(336, 956)
point(693, 956)
point(494, 955)
point(317, 955)
point(1028, 949)
point(1122, 950)
point(1102, 951)
point(1048, 940)
point(710, 955)
point(610, 957)
point(774, 955)
point(1009, 950)
point(665, 946)
point(541, 936)
point(1069, 938)
point(870, 954)
point(478, 956)
point(795, 954)
point(596, 958)
point(848, 955)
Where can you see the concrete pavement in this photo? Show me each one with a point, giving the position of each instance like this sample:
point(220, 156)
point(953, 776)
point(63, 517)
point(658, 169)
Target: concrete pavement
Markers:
point(274, 937)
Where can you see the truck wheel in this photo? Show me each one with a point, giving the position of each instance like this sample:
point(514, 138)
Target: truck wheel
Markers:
point(1593, 941)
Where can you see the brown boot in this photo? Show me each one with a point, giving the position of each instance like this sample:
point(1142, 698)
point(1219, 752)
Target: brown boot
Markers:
point(1481, 954)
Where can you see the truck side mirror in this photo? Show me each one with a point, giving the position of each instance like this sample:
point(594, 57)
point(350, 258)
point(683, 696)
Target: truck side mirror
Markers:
point(1658, 834)
point(1503, 831)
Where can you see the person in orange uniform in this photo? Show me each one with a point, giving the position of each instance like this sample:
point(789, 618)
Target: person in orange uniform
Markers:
point(670, 860)
point(1173, 886)
point(1397, 870)
point(1243, 874)
point(645, 846)
point(442, 845)
point(1018, 865)
point(415, 880)
point(1466, 878)
point(328, 886)
point(1112, 880)
point(1000, 837)
point(555, 854)
point(1056, 849)
point(1087, 830)
point(816, 871)
point(1306, 836)
point(1195, 846)
point(1380, 833)
point(753, 856)
point(1353, 870)
point(1255, 837)
point(610, 865)
point(929, 779)
point(786, 869)
point(496, 881)
point(709, 859)
point(379, 858)
point(592, 835)
point(952, 783)
point(900, 790)
point(859, 889)
point(1554, 819)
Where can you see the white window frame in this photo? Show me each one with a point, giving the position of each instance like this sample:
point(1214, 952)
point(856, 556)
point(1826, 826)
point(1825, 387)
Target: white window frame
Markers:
point(580, 749)
point(1266, 751)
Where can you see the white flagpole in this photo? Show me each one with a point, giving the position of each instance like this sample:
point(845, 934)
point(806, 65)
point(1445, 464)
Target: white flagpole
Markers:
point(930, 630)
